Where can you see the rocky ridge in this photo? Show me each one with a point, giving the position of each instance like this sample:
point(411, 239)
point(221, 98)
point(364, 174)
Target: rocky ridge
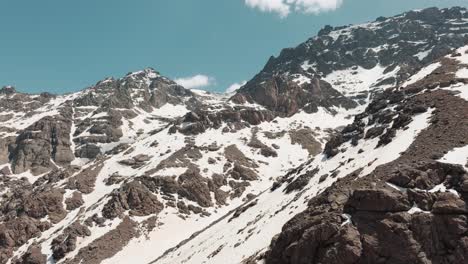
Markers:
point(342, 66)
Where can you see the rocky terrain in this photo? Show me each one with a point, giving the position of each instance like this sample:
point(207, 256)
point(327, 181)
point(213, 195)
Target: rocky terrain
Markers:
point(349, 148)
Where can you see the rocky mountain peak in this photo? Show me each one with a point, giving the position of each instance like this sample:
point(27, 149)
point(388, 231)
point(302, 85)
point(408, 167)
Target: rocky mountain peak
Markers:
point(145, 88)
point(145, 73)
point(7, 90)
point(379, 54)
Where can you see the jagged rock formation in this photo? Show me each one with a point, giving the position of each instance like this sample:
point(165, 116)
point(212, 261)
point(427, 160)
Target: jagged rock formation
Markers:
point(46, 140)
point(318, 72)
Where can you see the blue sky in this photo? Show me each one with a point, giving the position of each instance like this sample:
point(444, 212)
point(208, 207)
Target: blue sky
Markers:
point(62, 46)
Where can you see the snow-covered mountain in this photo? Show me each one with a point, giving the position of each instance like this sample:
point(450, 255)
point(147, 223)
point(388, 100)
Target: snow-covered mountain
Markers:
point(350, 148)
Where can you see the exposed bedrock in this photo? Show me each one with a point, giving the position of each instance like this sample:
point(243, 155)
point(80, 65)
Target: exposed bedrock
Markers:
point(41, 145)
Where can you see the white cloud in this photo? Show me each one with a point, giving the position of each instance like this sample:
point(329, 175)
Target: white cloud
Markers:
point(284, 7)
point(277, 6)
point(235, 86)
point(197, 81)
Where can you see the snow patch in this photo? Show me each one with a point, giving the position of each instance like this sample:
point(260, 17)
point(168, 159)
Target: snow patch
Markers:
point(461, 90)
point(422, 73)
point(357, 80)
point(457, 156)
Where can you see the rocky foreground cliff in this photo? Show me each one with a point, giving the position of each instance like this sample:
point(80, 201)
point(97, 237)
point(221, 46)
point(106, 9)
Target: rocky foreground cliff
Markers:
point(350, 148)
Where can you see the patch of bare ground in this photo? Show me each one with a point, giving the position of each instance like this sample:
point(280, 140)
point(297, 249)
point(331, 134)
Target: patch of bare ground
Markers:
point(85, 180)
point(305, 138)
point(233, 154)
point(107, 245)
point(257, 143)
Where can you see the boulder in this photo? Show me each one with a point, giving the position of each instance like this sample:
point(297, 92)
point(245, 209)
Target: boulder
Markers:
point(378, 200)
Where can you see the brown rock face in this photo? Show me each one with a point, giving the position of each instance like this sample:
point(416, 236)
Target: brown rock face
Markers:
point(33, 256)
point(5, 171)
point(136, 161)
point(379, 226)
point(323, 240)
point(16, 232)
point(132, 196)
point(189, 185)
point(45, 203)
point(66, 242)
point(107, 245)
point(4, 150)
point(449, 203)
point(194, 123)
point(85, 180)
point(75, 201)
point(243, 173)
point(48, 138)
point(378, 200)
point(305, 138)
point(286, 97)
point(102, 130)
point(89, 151)
point(195, 188)
point(234, 155)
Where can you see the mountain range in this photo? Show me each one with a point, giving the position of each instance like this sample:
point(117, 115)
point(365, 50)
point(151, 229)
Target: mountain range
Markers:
point(350, 148)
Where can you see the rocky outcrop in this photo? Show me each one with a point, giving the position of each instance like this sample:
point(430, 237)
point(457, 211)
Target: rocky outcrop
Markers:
point(195, 188)
point(41, 145)
point(75, 201)
point(15, 232)
point(88, 151)
point(33, 256)
point(107, 245)
point(146, 89)
point(85, 180)
point(189, 185)
point(318, 238)
point(234, 155)
point(5, 149)
point(104, 129)
point(8, 90)
point(66, 242)
point(378, 200)
point(197, 122)
point(286, 97)
point(12, 100)
point(242, 173)
point(364, 229)
point(305, 138)
point(265, 150)
point(136, 162)
point(38, 203)
point(44, 203)
point(134, 197)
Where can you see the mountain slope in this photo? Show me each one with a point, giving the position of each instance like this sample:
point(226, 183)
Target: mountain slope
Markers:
point(136, 158)
point(343, 145)
point(348, 203)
